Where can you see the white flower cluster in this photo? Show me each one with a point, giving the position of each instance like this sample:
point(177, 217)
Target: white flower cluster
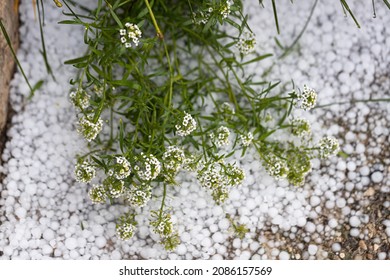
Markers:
point(235, 175)
point(84, 172)
point(202, 17)
point(276, 167)
point(163, 225)
point(222, 137)
point(307, 99)
point(190, 162)
point(97, 194)
point(246, 140)
point(80, 99)
point(217, 177)
point(88, 128)
point(328, 146)
point(224, 10)
point(187, 125)
point(247, 43)
point(125, 228)
point(115, 187)
point(138, 196)
point(151, 167)
point(300, 127)
point(173, 159)
point(121, 169)
point(131, 33)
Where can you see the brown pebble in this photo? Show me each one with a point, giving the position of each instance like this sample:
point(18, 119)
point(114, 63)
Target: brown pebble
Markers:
point(369, 192)
point(362, 245)
point(376, 247)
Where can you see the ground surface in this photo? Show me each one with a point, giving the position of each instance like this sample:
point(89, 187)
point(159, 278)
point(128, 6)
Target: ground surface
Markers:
point(342, 212)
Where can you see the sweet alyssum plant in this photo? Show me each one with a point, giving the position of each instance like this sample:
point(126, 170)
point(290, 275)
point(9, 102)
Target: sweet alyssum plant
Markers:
point(162, 88)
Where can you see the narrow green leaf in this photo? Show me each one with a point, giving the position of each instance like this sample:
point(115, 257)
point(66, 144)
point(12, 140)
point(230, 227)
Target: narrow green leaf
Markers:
point(9, 43)
point(259, 58)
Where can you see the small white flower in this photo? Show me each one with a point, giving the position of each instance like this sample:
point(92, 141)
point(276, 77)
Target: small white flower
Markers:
point(97, 194)
point(150, 167)
point(121, 169)
point(80, 99)
point(225, 9)
point(88, 128)
point(84, 172)
point(300, 127)
point(276, 167)
point(222, 136)
point(328, 146)
point(307, 99)
point(247, 43)
point(246, 140)
point(132, 33)
point(187, 125)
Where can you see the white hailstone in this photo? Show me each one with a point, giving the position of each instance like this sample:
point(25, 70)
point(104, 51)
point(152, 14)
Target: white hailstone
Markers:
point(332, 223)
point(354, 232)
point(8, 250)
point(283, 255)
point(341, 202)
point(341, 165)
point(217, 257)
point(100, 242)
point(360, 148)
point(377, 177)
point(277, 220)
point(364, 170)
point(351, 166)
point(224, 224)
point(301, 221)
point(312, 249)
point(272, 212)
point(47, 249)
point(185, 237)
point(251, 204)
point(36, 232)
point(245, 255)
point(382, 255)
point(237, 243)
point(217, 211)
point(48, 234)
point(21, 212)
point(218, 237)
point(310, 227)
point(336, 247)
point(235, 194)
point(181, 250)
point(354, 221)
point(201, 203)
point(71, 243)
point(314, 201)
point(97, 230)
point(206, 242)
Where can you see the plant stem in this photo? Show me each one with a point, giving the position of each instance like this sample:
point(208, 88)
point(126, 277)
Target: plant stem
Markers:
point(159, 33)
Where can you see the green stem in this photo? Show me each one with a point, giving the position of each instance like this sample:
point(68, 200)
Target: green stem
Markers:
point(163, 201)
point(159, 33)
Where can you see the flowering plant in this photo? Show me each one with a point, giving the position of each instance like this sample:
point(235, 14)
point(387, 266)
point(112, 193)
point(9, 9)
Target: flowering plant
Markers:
point(163, 88)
